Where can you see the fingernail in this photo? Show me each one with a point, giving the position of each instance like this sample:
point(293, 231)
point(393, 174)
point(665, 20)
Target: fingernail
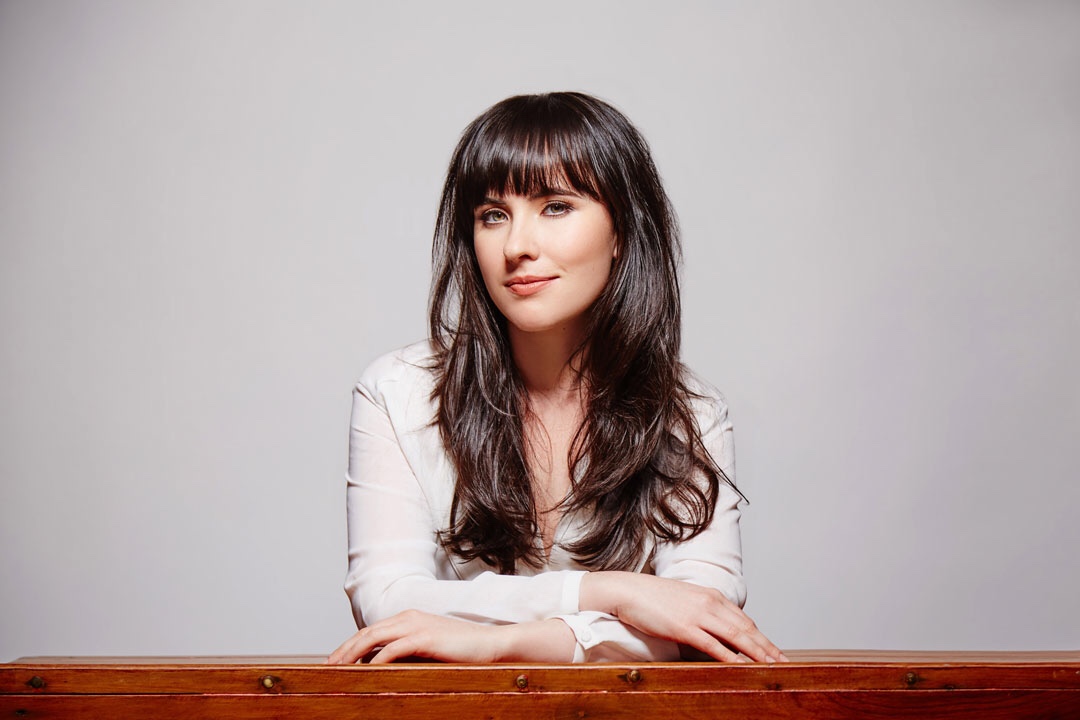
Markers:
point(770, 659)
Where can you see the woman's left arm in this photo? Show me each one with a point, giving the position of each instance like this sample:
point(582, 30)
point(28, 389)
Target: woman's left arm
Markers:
point(695, 599)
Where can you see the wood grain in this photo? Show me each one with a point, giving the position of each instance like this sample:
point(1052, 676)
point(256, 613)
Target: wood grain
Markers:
point(818, 683)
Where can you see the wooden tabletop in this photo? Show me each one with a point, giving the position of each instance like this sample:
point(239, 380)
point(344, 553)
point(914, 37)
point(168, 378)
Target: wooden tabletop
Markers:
point(796, 656)
point(817, 683)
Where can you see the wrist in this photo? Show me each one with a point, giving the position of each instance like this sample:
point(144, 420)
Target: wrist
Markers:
point(601, 592)
point(540, 641)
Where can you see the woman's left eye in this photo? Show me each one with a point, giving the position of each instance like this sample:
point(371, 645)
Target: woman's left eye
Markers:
point(557, 208)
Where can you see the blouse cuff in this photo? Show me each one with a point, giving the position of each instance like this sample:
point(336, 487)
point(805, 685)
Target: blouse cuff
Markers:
point(581, 625)
point(571, 592)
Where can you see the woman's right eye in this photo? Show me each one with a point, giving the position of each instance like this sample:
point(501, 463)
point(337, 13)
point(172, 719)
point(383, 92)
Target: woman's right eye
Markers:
point(493, 216)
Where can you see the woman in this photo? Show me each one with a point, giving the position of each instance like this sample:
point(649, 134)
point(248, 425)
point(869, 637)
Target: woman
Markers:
point(543, 480)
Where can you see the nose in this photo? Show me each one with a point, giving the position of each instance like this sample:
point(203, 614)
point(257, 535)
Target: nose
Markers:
point(521, 242)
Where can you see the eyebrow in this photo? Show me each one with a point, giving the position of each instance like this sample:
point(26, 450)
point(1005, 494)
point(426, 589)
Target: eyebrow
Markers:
point(541, 193)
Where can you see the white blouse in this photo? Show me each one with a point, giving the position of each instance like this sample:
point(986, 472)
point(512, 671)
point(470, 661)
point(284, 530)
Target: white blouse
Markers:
point(400, 487)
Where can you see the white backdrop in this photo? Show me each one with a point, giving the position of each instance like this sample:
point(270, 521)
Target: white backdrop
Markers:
point(213, 215)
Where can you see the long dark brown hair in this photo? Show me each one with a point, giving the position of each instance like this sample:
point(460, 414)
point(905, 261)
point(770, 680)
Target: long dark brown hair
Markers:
point(640, 468)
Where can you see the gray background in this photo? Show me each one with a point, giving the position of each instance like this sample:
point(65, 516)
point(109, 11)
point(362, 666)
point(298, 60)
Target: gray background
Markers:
point(213, 215)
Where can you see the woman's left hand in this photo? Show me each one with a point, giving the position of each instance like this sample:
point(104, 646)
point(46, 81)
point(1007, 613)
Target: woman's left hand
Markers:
point(701, 619)
point(413, 633)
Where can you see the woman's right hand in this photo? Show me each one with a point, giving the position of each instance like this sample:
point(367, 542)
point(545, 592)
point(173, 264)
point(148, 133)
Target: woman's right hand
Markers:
point(416, 634)
point(691, 615)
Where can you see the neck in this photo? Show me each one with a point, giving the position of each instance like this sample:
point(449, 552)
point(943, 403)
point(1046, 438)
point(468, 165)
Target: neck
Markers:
point(546, 361)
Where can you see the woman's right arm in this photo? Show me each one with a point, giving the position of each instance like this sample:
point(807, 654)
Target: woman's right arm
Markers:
point(393, 527)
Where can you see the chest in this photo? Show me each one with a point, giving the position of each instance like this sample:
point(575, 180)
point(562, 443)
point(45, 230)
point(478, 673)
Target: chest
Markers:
point(550, 437)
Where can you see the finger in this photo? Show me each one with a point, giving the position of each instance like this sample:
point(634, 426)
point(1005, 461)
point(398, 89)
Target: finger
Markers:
point(743, 632)
point(347, 654)
point(712, 647)
point(396, 650)
point(754, 646)
point(375, 635)
point(772, 653)
point(742, 635)
point(357, 647)
point(343, 652)
point(753, 635)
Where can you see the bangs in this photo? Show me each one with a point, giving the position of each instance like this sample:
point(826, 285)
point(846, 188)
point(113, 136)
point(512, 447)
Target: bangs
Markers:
point(527, 153)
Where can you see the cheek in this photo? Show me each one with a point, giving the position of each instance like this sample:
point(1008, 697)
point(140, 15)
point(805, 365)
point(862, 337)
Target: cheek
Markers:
point(598, 260)
point(601, 273)
point(487, 261)
point(592, 272)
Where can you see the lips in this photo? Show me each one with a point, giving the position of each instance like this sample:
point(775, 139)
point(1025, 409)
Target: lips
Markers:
point(529, 284)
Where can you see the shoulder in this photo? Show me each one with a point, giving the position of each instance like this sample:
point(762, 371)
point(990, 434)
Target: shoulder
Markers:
point(407, 364)
point(711, 413)
point(402, 377)
point(707, 403)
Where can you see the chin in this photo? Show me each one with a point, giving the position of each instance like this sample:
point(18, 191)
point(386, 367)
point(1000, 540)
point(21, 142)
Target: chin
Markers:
point(533, 328)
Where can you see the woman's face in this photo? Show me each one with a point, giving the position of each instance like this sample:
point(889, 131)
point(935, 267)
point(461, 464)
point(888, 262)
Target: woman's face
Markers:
point(545, 258)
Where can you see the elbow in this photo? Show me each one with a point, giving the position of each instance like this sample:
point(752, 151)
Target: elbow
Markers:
point(356, 602)
point(372, 602)
point(738, 592)
point(732, 585)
